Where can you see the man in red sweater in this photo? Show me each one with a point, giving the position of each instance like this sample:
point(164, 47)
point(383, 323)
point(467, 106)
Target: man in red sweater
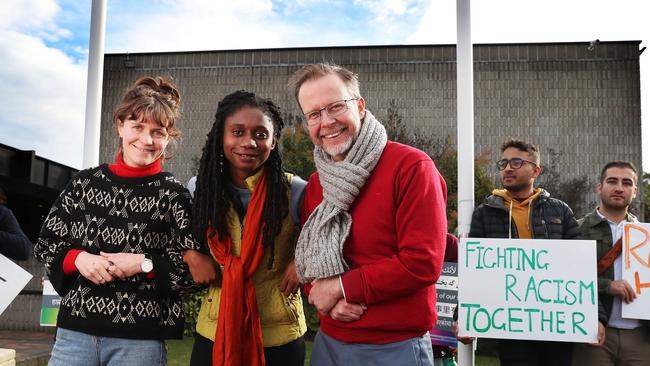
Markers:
point(372, 246)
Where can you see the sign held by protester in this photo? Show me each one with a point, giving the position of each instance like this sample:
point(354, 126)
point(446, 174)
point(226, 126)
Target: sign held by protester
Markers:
point(12, 279)
point(442, 333)
point(50, 304)
point(636, 269)
point(528, 289)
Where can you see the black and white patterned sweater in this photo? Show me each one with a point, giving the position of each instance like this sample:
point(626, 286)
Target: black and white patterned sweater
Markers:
point(100, 211)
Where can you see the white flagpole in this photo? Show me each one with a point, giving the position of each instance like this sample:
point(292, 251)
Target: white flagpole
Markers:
point(94, 84)
point(465, 136)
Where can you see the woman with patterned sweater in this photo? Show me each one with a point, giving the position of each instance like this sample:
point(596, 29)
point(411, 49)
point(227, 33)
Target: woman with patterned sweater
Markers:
point(112, 243)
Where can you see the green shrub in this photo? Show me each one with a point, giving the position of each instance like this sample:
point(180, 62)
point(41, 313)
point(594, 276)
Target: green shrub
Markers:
point(191, 306)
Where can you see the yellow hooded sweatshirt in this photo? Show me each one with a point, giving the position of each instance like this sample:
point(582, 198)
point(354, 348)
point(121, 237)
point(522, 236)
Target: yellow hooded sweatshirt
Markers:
point(519, 211)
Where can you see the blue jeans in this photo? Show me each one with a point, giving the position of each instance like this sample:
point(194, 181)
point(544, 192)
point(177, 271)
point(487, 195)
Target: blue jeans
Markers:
point(80, 349)
point(328, 351)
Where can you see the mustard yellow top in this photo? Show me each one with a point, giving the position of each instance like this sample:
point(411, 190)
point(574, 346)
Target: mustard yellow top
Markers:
point(282, 317)
point(519, 211)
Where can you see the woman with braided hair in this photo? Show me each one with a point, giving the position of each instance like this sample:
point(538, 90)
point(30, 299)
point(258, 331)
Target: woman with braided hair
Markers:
point(112, 243)
point(246, 210)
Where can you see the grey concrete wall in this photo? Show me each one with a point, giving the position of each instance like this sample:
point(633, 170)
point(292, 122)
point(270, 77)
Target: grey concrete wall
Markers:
point(579, 106)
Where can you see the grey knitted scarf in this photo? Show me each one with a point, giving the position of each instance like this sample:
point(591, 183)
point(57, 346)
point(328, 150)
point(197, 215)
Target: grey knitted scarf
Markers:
point(319, 252)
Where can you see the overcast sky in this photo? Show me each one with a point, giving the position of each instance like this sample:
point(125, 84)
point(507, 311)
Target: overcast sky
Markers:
point(44, 43)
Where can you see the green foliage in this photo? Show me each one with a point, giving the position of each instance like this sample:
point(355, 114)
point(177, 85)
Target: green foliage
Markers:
point(297, 151)
point(191, 306)
point(444, 155)
point(447, 166)
point(311, 317)
point(483, 185)
point(571, 191)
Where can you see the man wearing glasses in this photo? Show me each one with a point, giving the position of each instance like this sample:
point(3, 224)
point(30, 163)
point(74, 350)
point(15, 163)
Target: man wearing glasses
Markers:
point(372, 246)
point(519, 210)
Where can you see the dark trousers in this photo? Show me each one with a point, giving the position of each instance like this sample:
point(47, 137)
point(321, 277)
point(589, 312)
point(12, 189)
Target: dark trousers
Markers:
point(623, 347)
point(290, 354)
point(534, 353)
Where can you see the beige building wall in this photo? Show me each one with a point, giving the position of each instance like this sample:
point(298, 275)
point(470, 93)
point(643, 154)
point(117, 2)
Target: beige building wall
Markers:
point(580, 106)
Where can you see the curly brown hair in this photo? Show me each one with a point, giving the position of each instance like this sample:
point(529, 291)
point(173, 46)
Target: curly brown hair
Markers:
point(151, 99)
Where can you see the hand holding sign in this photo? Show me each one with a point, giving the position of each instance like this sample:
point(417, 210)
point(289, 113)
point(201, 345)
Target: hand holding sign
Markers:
point(12, 279)
point(623, 290)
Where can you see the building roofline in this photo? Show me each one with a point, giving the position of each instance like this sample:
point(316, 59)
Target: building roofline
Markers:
point(586, 43)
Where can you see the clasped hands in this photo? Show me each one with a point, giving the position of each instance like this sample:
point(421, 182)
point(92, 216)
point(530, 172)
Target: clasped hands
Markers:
point(327, 296)
point(106, 267)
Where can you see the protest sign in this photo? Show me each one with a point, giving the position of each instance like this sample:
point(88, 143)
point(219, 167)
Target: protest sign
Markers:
point(50, 304)
point(636, 269)
point(528, 289)
point(12, 279)
point(442, 333)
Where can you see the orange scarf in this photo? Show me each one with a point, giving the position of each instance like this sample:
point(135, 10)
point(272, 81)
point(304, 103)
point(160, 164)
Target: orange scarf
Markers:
point(238, 338)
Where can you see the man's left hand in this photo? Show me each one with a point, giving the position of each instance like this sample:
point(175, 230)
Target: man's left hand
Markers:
point(325, 293)
point(346, 312)
point(601, 336)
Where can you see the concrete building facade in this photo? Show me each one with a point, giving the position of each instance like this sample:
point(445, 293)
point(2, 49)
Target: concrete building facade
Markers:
point(579, 103)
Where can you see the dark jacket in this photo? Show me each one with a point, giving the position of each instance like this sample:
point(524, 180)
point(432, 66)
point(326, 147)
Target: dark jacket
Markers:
point(551, 219)
point(593, 227)
point(13, 241)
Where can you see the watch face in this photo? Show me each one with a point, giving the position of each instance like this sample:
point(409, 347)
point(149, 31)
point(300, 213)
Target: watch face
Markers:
point(146, 266)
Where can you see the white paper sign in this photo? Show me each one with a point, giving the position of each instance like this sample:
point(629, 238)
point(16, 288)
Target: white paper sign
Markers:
point(636, 269)
point(528, 289)
point(12, 279)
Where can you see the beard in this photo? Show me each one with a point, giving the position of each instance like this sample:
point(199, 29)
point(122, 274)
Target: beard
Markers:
point(339, 149)
point(515, 187)
point(616, 205)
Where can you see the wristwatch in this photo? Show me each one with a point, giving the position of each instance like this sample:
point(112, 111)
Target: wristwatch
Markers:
point(147, 264)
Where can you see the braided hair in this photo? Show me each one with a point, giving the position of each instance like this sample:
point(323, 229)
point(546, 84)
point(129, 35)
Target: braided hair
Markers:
point(212, 199)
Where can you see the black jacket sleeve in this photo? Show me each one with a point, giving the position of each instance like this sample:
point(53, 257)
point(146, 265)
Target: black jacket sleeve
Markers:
point(476, 229)
point(603, 317)
point(13, 241)
point(571, 228)
point(54, 241)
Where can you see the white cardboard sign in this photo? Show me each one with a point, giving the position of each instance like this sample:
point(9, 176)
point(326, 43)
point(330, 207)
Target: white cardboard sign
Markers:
point(636, 269)
point(12, 279)
point(528, 289)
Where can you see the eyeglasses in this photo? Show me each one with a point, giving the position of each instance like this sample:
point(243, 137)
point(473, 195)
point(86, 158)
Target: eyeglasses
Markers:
point(333, 110)
point(515, 163)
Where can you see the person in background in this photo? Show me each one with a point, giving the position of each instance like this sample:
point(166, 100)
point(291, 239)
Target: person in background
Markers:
point(246, 210)
point(627, 341)
point(112, 242)
point(13, 242)
point(444, 355)
point(521, 211)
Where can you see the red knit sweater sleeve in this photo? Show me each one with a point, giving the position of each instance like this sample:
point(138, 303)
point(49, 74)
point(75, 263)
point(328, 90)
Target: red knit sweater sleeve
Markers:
point(69, 268)
point(421, 224)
